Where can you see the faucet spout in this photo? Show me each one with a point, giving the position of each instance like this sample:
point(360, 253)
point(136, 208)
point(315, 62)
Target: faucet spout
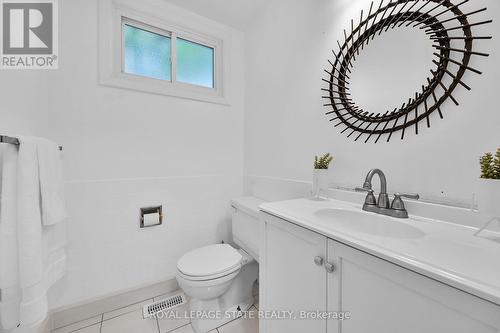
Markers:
point(383, 198)
point(383, 180)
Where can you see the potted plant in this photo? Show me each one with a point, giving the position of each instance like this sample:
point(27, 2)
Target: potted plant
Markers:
point(320, 173)
point(489, 184)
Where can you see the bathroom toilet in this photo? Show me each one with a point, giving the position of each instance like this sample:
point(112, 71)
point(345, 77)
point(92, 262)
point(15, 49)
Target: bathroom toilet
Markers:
point(219, 278)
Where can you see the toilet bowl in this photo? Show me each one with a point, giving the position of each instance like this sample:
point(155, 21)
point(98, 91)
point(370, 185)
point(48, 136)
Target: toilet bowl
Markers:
point(218, 279)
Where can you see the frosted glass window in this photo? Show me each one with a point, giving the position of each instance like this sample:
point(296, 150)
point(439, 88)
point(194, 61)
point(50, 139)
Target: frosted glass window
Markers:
point(195, 63)
point(147, 53)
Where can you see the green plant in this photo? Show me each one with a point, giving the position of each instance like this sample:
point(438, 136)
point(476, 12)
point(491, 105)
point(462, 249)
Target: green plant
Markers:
point(322, 162)
point(496, 163)
point(490, 165)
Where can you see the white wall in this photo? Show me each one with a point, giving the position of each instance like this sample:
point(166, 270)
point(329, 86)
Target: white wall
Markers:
point(285, 125)
point(23, 103)
point(124, 150)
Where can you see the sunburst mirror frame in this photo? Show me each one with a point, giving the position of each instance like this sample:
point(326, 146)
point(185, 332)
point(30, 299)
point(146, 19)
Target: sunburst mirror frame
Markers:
point(431, 16)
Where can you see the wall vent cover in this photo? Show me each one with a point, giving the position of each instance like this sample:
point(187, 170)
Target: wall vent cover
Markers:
point(168, 303)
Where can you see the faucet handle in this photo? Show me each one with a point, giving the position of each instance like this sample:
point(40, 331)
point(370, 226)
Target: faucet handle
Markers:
point(398, 203)
point(407, 195)
point(370, 198)
point(363, 189)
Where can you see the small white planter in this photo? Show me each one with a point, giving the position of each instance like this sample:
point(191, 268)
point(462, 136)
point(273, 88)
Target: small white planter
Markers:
point(320, 182)
point(488, 196)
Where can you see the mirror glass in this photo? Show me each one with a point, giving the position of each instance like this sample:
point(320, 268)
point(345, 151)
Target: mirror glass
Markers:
point(391, 69)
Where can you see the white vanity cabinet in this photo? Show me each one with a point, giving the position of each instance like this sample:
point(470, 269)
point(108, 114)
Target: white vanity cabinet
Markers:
point(292, 280)
point(386, 298)
point(381, 297)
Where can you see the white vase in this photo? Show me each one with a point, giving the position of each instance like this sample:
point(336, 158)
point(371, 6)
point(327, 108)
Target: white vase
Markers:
point(320, 180)
point(488, 196)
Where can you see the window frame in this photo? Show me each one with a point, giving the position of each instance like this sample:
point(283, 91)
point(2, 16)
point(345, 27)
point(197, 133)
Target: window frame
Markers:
point(115, 13)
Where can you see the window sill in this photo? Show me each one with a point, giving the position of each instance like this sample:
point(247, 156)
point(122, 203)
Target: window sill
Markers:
point(159, 87)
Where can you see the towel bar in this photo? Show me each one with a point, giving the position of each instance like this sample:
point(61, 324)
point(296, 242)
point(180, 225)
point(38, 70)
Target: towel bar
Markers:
point(15, 141)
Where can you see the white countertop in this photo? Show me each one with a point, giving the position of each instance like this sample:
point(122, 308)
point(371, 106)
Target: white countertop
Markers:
point(447, 252)
point(249, 205)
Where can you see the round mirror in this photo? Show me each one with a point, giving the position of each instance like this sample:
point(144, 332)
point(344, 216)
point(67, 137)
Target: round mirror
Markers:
point(399, 66)
point(388, 71)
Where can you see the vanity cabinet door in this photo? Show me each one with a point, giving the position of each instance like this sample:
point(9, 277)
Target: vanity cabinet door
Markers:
point(386, 298)
point(292, 276)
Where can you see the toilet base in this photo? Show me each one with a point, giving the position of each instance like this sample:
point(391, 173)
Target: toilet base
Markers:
point(219, 311)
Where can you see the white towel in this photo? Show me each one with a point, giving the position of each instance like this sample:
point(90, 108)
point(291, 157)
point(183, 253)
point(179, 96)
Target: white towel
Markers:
point(9, 272)
point(38, 249)
point(51, 183)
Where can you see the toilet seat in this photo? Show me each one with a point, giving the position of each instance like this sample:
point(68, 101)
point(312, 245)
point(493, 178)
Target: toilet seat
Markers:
point(209, 263)
point(209, 280)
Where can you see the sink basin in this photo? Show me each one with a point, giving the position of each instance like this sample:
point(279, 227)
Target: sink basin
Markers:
point(368, 223)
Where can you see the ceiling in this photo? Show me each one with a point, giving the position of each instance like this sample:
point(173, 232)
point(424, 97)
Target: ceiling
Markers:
point(235, 13)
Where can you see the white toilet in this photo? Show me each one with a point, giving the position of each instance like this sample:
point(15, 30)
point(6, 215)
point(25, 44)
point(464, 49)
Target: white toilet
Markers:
point(219, 278)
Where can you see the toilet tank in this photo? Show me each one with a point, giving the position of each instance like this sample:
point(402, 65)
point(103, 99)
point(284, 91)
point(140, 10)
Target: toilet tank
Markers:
point(246, 224)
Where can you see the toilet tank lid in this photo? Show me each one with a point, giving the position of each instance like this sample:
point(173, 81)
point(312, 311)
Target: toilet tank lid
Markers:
point(249, 205)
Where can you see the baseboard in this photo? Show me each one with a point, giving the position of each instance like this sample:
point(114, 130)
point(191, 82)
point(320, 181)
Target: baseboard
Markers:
point(47, 325)
point(77, 312)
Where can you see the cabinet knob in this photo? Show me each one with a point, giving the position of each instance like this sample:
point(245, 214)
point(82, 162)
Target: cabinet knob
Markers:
point(330, 268)
point(318, 261)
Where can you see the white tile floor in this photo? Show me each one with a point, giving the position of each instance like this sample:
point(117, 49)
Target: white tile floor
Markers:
point(130, 320)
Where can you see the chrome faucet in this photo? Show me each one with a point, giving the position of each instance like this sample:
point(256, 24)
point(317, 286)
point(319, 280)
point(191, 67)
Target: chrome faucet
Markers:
point(381, 206)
